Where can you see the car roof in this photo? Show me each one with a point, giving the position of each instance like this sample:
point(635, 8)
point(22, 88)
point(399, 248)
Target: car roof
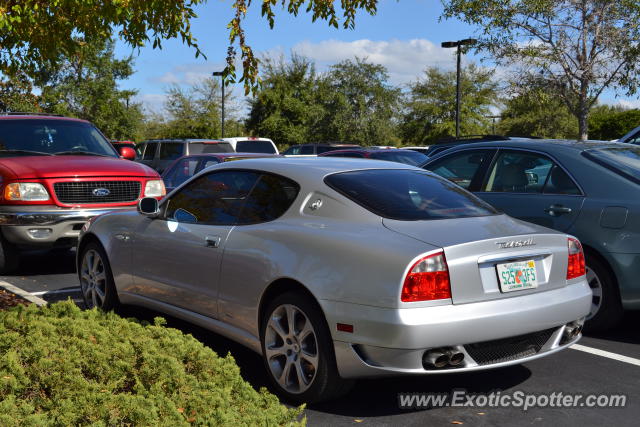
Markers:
point(196, 140)
point(543, 144)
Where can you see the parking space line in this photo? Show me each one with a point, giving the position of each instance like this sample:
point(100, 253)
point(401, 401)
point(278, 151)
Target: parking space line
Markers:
point(607, 354)
point(57, 291)
point(21, 292)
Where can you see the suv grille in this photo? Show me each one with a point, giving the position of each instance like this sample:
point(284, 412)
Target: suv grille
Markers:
point(94, 191)
point(506, 349)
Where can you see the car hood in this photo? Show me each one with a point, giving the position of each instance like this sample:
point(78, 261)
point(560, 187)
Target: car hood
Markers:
point(73, 166)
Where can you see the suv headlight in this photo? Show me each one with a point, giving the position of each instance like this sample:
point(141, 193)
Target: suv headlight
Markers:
point(154, 188)
point(26, 191)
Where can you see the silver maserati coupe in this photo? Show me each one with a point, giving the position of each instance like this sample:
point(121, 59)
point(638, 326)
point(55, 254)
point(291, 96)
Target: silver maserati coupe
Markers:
point(337, 269)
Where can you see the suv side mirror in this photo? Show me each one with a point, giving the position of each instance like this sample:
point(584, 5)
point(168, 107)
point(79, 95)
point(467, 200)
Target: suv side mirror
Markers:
point(127, 153)
point(148, 206)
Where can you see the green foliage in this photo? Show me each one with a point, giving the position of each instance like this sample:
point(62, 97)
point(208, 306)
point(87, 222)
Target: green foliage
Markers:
point(430, 111)
point(85, 85)
point(60, 365)
point(608, 122)
point(16, 94)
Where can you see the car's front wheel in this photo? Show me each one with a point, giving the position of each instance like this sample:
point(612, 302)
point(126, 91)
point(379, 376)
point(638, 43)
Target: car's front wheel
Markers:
point(298, 352)
point(96, 280)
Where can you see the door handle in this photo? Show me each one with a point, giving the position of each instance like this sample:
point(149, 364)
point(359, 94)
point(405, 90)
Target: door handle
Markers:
point(557, 210)
point(212, 241)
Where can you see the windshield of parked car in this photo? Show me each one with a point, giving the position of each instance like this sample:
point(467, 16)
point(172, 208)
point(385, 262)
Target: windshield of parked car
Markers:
point(408, 157)
point(408, 195)
point(625, 161)
point(255, 146)
point(52, 136)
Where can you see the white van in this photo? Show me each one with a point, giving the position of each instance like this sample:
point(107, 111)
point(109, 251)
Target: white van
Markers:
point(251, 144)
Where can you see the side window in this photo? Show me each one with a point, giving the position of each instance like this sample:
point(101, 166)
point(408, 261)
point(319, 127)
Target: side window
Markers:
point(292, 151)
point(149, 151)
point(460, 168)
point(171, 150)
point(635, 139)
point(560, 183)
point(270, 199)
point(215, 198)
point(306, 149)
point(210, 163)
point(182, 171)
point(519, 172)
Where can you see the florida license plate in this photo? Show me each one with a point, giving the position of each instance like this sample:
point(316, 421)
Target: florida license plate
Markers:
point(517, 276)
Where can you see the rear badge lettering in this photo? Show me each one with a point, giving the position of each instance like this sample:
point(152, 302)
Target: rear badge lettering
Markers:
point(516, 243)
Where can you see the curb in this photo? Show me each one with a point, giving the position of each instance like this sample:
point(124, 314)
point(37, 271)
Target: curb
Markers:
point(22, 293)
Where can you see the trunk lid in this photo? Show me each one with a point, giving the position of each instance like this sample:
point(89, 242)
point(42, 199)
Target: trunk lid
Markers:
point(474, 247)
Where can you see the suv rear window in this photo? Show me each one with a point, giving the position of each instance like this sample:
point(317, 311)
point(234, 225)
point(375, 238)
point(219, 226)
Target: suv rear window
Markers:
point(408, 195)
point(624, 161)
point(210, 147)
point(253, 146)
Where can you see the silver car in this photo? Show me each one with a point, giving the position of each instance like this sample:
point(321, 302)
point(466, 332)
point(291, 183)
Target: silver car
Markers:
point(336, 269)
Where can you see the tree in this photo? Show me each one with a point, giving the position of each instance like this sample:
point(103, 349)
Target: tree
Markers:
point(286, 106)
point(85, 85)
point(16, 94)
point(37, 32)
point(359, 104)
point(430, 110)
point(533, 109)
point(580, 47)
point(608, 122)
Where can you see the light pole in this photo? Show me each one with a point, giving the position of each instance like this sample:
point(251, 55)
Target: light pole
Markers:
point(221, 75)
point(457, 45)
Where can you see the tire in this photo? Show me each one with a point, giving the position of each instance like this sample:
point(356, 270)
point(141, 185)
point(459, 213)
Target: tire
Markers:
point(96, 279)
point(300, 364)
point(9, 256)
point(606, 308)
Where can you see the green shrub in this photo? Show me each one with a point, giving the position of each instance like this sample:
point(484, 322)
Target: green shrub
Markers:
point(60, 365)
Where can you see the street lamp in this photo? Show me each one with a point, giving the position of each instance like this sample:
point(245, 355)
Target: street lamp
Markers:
point(457, 44)
point(221, 75)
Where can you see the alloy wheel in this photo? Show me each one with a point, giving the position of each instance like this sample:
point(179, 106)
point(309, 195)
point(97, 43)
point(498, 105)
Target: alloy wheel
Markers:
point(291, 348)
point(93, 279)
point(596, 288)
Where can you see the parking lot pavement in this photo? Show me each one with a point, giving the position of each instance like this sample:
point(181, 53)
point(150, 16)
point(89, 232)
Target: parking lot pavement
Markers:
point(376, 402)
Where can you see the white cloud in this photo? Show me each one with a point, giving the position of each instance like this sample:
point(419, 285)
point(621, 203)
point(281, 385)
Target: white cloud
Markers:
point(152, 102)
point(628, 103)
point(187, 74)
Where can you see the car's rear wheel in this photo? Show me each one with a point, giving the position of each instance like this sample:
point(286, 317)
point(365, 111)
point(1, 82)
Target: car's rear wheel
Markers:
point(606, 309)
point(96, 280)
point(9, 256)
point(298, 351)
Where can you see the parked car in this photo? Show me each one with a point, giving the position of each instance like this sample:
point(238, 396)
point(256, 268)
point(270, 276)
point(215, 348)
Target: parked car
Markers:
point(118, 145)
point(311, 150)
point(632, 137)
point(160, 153)
point(587, 189)
point(447, 143)
point(335, 269)
point(421, 149)
point(393, 155)
point(185, 167)
point(55, 174)
point(250, 144)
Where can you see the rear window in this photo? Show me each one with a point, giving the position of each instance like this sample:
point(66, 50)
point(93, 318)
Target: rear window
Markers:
point(408, 157)
point(205, 148)
point(170, 150)
point(254, 146)
point(408, 195)
point(624, 161)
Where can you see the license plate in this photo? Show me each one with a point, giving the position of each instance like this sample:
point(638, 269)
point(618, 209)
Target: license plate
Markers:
point(517, 276)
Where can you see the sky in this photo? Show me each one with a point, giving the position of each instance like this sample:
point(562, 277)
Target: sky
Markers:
point(404, 36)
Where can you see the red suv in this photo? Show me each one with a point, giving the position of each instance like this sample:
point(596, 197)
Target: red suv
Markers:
point(55, 174)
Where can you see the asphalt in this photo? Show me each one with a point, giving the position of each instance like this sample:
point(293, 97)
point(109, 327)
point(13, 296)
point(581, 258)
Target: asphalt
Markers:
point(51, 275)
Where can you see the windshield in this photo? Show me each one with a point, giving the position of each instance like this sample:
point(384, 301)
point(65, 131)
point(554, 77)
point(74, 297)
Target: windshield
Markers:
point(625, 161)
point(408, 195)
point(51, 136)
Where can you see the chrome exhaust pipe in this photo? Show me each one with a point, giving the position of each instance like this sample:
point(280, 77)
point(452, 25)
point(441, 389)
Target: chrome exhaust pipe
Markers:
point(435, 359)
point(455, 358)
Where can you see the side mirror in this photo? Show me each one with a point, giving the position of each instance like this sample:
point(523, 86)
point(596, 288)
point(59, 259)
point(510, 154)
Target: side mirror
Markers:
point(127, 153)
point(148, 206)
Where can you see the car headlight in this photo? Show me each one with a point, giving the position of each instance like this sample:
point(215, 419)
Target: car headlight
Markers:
point(26, 191)
point(154, 188)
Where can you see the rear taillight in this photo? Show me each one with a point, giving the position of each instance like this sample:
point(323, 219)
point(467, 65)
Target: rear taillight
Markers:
point(428, 279)
point(575, 267)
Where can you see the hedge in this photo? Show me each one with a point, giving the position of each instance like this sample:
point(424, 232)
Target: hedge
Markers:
point(60, 365)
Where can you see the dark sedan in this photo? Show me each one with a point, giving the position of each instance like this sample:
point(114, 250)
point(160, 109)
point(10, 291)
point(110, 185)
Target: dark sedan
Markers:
point(587, 189)
point(408, 157)
point(187, 166)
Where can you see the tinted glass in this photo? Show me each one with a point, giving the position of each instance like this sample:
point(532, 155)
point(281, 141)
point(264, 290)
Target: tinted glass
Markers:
point(171, 150)
point(324, 148)
point(518, 172)
point(307, 150)
point(215, 198)
point(253, 146)
point(203, 148)
point(460, 168)
point(180, 172)
point(559, 182)
point(292, 151)
point(150, 151)
point(210, 162)
point(412, 158)
point(625, 161)
point(408, 195)
point(354, 155)
point(52, 137)
point(270, 198)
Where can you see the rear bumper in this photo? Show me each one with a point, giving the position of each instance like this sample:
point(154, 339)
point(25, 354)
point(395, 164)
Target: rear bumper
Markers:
point(393, 341)
point(46, 226)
